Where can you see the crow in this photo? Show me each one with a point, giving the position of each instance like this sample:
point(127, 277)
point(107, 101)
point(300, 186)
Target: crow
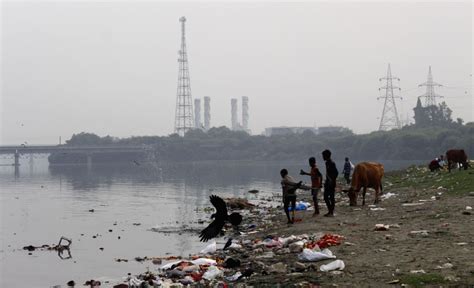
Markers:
point(220, 217)
point(227, 245)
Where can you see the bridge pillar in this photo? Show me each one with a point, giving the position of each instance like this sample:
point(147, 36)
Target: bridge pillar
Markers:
point(17, 158)
point(89, 161)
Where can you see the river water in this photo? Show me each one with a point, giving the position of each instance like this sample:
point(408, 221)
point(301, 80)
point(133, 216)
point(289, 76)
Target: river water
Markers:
point(41, 203)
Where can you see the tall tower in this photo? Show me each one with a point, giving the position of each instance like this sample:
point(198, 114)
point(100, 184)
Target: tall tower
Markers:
point(430, 95)
point(389, 119)
point(184, 120)
point(207, 113)
point(233, 105)
point(245, 113)
point(197, 114)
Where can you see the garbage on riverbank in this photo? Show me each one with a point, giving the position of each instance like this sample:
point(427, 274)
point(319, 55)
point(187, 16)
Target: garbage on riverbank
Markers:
point(214, 266)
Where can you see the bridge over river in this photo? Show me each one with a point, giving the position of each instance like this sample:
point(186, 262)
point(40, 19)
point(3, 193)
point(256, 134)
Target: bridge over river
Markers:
point(19, 150)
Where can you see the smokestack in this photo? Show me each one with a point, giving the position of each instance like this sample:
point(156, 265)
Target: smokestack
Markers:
point(233, 104)
point(245, 113)
point(197, 113)
point(207, 113)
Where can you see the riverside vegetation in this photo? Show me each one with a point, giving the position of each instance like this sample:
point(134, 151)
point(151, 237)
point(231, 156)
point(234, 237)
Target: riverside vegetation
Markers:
point(414, 142)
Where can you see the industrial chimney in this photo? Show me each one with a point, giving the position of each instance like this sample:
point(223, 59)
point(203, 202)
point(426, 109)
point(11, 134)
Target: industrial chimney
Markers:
point(207, 113)
point(234, 123)
point(245, 113)
point(197, 113)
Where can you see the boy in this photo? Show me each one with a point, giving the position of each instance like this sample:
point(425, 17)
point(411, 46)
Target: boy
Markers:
point(289, 187)
point(348, 167)
point(330, 183)
point(316, 182)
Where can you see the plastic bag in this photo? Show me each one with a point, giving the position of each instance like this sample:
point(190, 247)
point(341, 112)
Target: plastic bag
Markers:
point(234, 277)
point(204, 261)
point(300, 205)
point(169, 265)
point(212, 273)
point(334, 265)
point(287, 240)
point(211, 248)
point(311, 256)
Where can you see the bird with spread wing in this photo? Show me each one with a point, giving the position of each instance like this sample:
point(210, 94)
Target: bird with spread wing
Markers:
point(220, 218)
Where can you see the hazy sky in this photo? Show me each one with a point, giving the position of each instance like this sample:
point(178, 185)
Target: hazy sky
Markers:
point(111, 67)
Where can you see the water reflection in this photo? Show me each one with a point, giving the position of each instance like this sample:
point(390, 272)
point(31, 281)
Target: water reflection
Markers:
point(193, 174)
point(197, 175)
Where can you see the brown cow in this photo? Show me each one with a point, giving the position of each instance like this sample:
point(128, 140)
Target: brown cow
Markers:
point(366, 175)
point(456, 156)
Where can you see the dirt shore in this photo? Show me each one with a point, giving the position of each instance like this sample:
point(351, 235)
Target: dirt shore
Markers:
point(429, 241)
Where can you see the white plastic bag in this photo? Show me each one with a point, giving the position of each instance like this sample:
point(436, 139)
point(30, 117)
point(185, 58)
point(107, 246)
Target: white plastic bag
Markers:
point(169, 265)
point(204, 261)
point(211, 248)
point(234, 277)
point(287, 240)
point(212, 273)
point(311, 256)
point(334, 265)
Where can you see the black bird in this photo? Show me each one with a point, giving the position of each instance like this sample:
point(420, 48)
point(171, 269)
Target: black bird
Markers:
point(229, 242)
point(220, 217)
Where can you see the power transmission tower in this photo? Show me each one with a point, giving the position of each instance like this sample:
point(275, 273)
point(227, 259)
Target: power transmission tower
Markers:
point(430, 95)
point(184, 120)
point(389, 119)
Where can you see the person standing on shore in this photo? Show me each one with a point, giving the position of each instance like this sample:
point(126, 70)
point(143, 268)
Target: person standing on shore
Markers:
point(348, 167)
point(316, 182)
point(289, 186)
point(330, 183)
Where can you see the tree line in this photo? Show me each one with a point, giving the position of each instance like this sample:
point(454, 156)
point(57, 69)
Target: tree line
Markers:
point(413, 142)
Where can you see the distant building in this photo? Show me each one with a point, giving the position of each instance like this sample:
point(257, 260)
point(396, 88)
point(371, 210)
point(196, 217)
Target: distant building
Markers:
point(272, 131)
point(330, 129)
point(283, 130)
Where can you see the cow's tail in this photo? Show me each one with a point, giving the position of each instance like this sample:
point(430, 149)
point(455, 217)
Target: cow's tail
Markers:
point(381, 188)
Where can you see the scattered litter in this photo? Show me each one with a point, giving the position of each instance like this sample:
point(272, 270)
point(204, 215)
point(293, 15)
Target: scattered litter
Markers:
point(421, 271)
point(377, 209)
point(468, 208)
point(204, 261)
point(381, 227)
point(211, 248)
point(423, 233)
point(278, 268)
point(396, 281)
point(334, 265)
point(300, 205)
point(461, 244)
point(388, 195)
point(212, 273)
point(329, 240)
point(234, 277)
point(412, 204)
point(445, 266)
point(312, 256)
